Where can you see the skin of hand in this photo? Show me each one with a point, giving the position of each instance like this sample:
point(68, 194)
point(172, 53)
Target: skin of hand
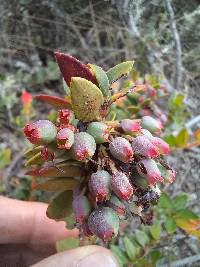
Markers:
point(26, 223)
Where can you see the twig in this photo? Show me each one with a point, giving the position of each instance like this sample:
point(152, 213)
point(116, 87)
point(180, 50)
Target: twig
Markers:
point(172, 22)
point(8, 172)
point(182, 262)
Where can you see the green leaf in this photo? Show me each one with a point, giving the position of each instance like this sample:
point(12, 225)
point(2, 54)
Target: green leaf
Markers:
point(36, 159)
point(155, 256)
point(66, 88)
point(165, 201)
point(182, 138)
point(119, 70)
point(61, 206)
point(5, 158)
point(180, 202)
point(171, 140)
point(71, 222)
point(130, 248)
point(67, 243)
point(121, 257)
point(155, 230)
point(102, 79)
point(86, 99)
point(57, 184)
point(170, 225)
point(185, 214)
point(61, 170)
point(142, 238)
point(32, 151)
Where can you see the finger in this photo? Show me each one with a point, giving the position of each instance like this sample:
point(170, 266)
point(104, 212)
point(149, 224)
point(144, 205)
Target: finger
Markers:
point(26, 222)
point(88, 256)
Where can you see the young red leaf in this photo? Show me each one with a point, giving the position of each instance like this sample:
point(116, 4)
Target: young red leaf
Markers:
point(72, 67)
point(54, 101)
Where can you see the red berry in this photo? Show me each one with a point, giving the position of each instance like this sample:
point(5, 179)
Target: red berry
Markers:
point(104, 223)
point(99, 185)
point(143, 146)
point(121, 149)
point(121, 185)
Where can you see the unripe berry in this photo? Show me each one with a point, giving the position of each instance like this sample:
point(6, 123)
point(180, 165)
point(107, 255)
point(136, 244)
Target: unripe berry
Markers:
point(162, 146)
point(121, 149)
point(81, 207)
point(41, 132)
point(149, 170)
point(99, 185)
point(84, 146)
point(116, 205)
point(130, 126)
point(65, 138)
point(121, 185)
point(143, 146)
point(99, 131)
point(151, 124)
point(104, 223)
point(65, 116)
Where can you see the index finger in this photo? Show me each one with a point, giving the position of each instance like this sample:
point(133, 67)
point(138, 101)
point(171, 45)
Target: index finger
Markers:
point(26, 222)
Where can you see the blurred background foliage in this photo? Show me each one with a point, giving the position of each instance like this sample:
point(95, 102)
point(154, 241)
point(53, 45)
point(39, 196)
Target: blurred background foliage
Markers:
point(162, 36)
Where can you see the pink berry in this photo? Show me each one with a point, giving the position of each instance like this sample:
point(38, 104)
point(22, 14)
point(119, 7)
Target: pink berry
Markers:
point(130, 126)
point(104, 223)
point(162, 146)
point(84, 146)
point(143, 146)
point(81, 207)
point(99, 185)
point(121, 185)
point(65, 138)
point(121, 149)
point(149, 170)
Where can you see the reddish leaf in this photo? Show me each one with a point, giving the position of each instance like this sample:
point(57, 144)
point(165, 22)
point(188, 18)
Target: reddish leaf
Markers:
point(54, 101)
point(72, 67)
point(62, 170)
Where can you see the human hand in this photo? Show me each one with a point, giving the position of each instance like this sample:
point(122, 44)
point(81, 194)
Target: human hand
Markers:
point(26, 223)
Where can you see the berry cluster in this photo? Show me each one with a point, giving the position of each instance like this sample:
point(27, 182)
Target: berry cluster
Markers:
point(121, 162)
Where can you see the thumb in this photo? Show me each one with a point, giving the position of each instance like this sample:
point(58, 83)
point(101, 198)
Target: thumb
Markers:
point(88, 256)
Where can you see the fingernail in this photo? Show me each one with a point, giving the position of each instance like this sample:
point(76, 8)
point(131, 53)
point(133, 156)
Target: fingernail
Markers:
point(97, 260)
